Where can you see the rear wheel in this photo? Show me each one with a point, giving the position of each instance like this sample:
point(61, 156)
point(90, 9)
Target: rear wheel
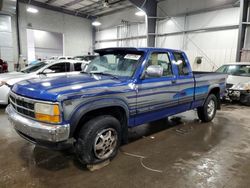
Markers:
point(99, 140)
point(207, 112)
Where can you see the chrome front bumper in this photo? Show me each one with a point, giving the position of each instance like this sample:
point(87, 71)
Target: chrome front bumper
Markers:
point(34, 130)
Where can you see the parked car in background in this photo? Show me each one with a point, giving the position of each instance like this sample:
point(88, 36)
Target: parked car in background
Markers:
point(3, 66)
point(86, 58)
point(238, 81)
point(121, 88)
point(65, 58)
point(57, 58)
point(41, 69)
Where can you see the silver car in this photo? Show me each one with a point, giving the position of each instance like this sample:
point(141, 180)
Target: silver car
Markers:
point(238, 81)
point(41, 69)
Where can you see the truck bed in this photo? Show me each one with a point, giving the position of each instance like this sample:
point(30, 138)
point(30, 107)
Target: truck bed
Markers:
point(204, 81)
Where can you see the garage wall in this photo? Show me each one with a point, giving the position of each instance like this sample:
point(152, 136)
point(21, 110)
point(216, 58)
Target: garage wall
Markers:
point(77, 31)
point(123, 35)
point(7, 49)
point(121, 29)
point(44, 44)
point(210, 35)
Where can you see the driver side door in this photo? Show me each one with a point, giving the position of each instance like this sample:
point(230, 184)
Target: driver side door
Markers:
point(157, 97)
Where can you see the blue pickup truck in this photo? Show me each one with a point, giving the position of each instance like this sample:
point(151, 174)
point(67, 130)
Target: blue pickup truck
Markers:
point(121, 88)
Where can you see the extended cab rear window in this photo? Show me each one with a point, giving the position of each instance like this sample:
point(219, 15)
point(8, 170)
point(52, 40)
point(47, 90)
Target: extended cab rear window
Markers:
point(181, 63)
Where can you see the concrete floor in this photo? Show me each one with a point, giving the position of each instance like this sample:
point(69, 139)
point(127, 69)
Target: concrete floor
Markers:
point(181, 152)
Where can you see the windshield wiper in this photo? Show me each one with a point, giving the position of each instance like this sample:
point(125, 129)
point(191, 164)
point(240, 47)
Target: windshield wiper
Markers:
point(105, 74)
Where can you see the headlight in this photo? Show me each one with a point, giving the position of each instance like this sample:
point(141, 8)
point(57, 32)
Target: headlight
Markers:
point(47, 112)
point(2, 83)
point(242, 86)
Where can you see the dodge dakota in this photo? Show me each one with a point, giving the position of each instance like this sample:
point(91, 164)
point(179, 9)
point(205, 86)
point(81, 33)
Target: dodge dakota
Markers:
point(121, 88)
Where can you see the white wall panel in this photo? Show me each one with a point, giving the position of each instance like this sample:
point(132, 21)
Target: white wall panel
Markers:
point(175, 24)
point(106, 44)
point(216, 48)
point(77, 31)
point(175, 42)
point(6, 40)
point(106, 34)
point(223, 17)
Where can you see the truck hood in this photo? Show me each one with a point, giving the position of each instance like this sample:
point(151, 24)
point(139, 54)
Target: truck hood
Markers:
point(58, 88)
point(237, 79)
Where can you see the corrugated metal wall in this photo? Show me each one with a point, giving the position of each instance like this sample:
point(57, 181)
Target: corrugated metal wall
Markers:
point(6, 41)
point(210, 35)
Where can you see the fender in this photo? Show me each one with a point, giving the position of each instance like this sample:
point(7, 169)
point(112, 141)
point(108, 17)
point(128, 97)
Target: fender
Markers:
point(211, 87)
point(84, 108)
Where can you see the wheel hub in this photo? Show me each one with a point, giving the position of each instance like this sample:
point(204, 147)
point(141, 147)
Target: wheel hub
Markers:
point(211, 108)
point(105, 143)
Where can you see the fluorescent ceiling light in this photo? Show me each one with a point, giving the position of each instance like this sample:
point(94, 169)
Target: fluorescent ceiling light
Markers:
point(140, 13)
point(96, 23)
point(32, 10)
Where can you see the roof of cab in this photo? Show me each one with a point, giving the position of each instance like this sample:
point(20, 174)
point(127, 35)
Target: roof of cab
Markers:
point(146, 49)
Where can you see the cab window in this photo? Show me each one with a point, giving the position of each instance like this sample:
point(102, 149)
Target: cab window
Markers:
point(181, 64)
point(161, 59)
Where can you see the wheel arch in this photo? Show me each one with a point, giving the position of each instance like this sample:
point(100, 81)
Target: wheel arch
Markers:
point(116, 108)
point(216, 91)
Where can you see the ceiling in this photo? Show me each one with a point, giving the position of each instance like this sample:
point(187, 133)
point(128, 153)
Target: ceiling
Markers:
point(97, 8)
point(89, 8)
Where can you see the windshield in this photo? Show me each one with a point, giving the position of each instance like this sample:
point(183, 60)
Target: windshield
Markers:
point(116, 64)
point(33, 68)
point(236, 70)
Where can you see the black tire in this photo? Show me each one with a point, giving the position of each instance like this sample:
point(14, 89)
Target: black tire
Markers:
point(85, 146)
point(203, 112)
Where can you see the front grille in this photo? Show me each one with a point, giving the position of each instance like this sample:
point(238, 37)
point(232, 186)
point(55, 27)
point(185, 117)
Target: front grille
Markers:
point(22, 105)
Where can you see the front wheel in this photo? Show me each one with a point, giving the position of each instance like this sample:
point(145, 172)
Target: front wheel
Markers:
point(207, 112)
point(99, 140)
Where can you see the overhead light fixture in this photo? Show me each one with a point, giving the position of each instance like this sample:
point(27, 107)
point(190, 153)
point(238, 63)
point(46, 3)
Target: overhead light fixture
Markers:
point(140, 13)
point(32, 10)
point(96, 23)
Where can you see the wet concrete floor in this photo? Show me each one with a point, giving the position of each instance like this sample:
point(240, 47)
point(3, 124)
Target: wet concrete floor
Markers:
point(179, 152)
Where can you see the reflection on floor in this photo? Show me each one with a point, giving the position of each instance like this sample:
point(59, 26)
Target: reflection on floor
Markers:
point(175, 152)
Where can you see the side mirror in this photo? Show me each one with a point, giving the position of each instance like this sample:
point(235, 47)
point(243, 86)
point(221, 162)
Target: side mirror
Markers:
point(154, 71)
point(47, 71)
